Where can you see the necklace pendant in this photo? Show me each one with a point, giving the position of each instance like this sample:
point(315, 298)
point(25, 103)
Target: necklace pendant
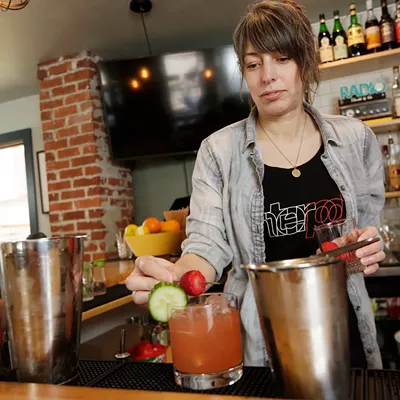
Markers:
point(296, 173)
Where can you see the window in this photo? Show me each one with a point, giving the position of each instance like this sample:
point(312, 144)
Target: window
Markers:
point(18, 215)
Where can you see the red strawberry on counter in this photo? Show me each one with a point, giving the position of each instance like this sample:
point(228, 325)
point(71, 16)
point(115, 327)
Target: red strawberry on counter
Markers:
point(193, 283)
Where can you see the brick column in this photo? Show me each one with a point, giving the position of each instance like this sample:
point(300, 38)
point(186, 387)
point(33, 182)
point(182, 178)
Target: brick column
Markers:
point(87, 193)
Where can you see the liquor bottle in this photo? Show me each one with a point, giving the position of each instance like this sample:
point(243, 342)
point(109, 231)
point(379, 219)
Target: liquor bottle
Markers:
point(355, 35)
point(387, 28)
point(394, 167)
point(339, 39)
point(324, 41)
point(372, 30)
point(396, 92)
point(397, 23)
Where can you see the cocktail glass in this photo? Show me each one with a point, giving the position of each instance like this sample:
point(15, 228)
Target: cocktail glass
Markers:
point(342, 232)
point(206, 342)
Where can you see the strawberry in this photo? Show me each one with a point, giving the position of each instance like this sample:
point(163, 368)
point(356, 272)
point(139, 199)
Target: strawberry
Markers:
point(346, 257)
point(327, 246)
point(193, 283)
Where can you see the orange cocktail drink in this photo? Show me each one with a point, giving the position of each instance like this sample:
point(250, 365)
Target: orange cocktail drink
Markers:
point(206, 342)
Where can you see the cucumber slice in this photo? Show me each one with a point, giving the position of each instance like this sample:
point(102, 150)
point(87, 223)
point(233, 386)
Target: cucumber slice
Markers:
point(162, 297)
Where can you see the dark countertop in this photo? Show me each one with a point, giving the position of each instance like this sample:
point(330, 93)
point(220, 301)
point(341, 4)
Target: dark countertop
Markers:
point(113, 293)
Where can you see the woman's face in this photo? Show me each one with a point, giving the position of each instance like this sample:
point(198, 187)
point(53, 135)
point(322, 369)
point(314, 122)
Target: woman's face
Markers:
point(274, 82)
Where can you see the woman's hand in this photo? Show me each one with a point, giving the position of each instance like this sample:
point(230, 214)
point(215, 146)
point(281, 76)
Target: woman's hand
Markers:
point(147, 273)
point(370, 255)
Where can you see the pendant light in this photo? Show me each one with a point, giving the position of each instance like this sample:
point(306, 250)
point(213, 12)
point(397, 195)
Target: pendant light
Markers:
point(13, 5)
point(141, 7)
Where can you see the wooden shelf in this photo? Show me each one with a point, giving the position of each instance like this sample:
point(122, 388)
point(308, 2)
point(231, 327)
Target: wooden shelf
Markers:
point(392, 195)
point(384, 124)
point(361, 64)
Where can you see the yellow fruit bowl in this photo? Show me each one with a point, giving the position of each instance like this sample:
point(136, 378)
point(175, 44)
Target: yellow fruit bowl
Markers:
point(156, 244)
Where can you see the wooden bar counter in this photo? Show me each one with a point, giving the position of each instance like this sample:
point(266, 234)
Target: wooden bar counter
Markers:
point(30, 391)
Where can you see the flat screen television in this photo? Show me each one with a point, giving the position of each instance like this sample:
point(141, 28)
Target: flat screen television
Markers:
point(166, 105)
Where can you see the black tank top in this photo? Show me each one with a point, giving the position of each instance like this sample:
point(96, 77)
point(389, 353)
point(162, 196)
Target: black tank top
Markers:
point(292, 207)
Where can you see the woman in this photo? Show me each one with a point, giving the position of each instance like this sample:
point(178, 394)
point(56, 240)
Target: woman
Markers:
point(260, 185)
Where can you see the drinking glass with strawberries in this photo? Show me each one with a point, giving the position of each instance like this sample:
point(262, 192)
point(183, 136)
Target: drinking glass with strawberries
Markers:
point(337, 234)
point(197, 323)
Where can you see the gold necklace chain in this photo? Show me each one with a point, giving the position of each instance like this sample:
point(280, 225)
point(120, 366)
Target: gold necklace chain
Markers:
point(295, 172)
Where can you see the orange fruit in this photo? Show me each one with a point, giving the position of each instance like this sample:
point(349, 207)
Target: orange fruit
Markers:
point(171, 226)
point(153, 224)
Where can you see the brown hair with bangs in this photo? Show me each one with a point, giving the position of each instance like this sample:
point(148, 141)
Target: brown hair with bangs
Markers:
point(279, 26)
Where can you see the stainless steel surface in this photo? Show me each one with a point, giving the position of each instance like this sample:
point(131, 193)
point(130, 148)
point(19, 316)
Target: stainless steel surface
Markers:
point(41, 282)
point(350, 247)
point(303, 309)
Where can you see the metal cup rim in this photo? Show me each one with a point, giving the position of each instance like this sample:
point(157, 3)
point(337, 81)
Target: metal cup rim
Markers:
point(46, 239)
point(292, 264)
point(332, 224)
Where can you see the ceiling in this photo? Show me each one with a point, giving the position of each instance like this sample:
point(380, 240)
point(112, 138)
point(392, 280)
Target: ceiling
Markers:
point(46, 29)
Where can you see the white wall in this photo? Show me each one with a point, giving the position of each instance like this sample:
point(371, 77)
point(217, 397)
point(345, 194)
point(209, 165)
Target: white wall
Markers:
point(21, 114)
point(158, 182)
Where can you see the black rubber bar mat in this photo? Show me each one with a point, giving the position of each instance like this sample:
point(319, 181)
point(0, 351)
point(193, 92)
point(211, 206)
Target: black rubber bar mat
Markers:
point(90, 371)
point(357, 384)
point(382, 385)
point(255, 382)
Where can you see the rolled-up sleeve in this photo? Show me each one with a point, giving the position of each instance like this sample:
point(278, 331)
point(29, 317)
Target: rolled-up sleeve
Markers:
point(205, 228)
point(375, 177)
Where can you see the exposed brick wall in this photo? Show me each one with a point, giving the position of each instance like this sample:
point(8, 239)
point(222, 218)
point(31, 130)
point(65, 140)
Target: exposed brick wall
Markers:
point(87, 193)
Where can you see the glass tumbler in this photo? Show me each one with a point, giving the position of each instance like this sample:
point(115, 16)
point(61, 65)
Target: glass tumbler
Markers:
point(206, 342)
point(342, 232)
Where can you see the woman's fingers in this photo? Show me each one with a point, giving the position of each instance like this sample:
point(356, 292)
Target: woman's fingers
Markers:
point(140, 297)
point(368, 232)
point(138, 282)
point(371, 269)
point(374, 258)
point(147, 273)
point(155, 268)
point(369, 250)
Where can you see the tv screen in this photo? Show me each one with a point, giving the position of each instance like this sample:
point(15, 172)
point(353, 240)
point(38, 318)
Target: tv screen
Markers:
point(166, 105)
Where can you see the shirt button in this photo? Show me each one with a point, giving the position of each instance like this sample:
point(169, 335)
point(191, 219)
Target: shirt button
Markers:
point(324, 156)
point(369, 351)
point(358, 308)
point(342, 187)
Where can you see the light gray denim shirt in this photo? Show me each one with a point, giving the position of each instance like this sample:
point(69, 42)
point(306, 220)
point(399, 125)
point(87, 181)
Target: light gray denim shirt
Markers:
point(226, 221)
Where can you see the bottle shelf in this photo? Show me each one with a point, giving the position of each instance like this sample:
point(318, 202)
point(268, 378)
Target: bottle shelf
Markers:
point(384, 124)
point(361, 64)
point(392, 195)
